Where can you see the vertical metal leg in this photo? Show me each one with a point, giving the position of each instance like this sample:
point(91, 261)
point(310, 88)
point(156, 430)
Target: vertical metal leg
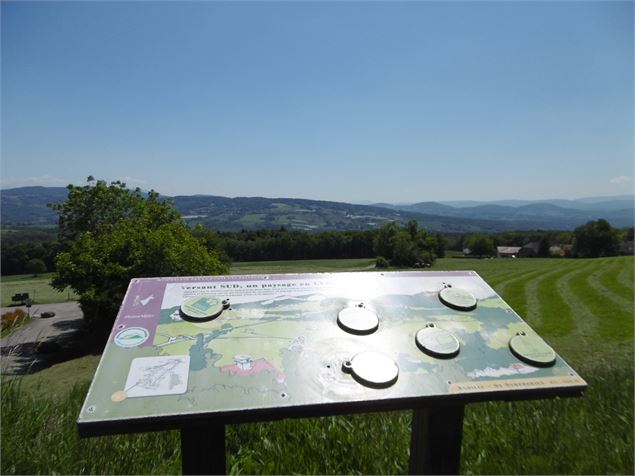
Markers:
point(435, 445)
point(203, 449)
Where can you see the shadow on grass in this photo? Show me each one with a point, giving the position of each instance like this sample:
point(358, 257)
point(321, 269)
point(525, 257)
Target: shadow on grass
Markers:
point(72, 341)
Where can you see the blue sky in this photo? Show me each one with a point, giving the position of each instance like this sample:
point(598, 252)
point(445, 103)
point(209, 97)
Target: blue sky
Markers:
point(346, 101)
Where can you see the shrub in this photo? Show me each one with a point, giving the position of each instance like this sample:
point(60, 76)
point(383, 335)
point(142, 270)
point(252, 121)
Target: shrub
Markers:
point(381, 262)
point(35, 266)
point(12, 318)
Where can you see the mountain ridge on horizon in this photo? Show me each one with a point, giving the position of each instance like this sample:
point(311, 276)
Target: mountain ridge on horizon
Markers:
point(452, 203)
point(27, 205)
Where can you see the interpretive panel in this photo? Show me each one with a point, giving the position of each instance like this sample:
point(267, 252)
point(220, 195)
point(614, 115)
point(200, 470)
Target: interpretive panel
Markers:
point(262, 347)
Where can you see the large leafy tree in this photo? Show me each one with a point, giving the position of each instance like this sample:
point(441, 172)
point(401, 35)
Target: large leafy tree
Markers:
point(35, 266)
point(595, 238)
point(405, 246)
point(110, 234)
point(480, 245)
point(383, 242)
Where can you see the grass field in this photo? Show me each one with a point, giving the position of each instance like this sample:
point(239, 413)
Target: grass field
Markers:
point(302, 266)
point(39, 289)
point(583, 308)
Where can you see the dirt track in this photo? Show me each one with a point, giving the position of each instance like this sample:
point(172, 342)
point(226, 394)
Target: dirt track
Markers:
point(23, 351)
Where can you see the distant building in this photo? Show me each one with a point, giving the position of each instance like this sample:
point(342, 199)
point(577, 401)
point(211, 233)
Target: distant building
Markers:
point(626, 248)
point(530, 250)
point(467, 251)
point(507, 251)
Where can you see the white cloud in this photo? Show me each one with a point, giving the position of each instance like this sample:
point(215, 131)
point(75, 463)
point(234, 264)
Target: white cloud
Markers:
point(622, 179)
point(133, 180)
point(45, 180)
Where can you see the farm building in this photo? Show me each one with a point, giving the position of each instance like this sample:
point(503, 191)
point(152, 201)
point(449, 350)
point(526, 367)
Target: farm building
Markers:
point(530, 250)
point(507, 251)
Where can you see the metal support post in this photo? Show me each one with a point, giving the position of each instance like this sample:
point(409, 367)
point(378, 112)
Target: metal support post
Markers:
point(203, 449)
point(435, 445)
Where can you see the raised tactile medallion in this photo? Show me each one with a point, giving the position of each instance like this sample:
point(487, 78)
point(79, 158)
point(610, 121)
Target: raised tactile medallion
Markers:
point(457, 298)
point(437, 342)
point(201, 308)
point(532, 349)
point(358, 320)
point(372, 369)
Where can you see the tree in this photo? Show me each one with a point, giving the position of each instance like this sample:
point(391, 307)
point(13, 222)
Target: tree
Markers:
point(213, 241)
point(413, 228)
point(16, 255)
point(427, 246)
point(110, 234)
point(99, 206)
point(480, 245)
point(595, 239)
point(404, 249)
point(440, 250)
point(383, 241)
point(405, 246)
point(381, 262)
point(35, 266)
point(543, 249)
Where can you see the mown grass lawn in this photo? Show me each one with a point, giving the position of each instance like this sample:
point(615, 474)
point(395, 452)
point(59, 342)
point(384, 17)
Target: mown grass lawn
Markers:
point(584, 308)
point(38, 287)
point(302, 266)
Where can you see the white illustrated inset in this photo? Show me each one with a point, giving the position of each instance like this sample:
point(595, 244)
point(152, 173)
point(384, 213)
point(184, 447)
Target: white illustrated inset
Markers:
point(153, 376)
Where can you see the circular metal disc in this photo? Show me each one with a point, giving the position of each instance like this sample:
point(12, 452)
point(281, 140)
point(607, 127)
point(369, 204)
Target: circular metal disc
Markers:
point(374, 369)
point(358, 320)
point(532, 349)
point(201, 308)
point(458, 299)
point(437, 342)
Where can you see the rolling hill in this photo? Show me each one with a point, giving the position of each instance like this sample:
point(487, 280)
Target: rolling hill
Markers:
point(546, 214)
point(27, 206)
point(310, 215)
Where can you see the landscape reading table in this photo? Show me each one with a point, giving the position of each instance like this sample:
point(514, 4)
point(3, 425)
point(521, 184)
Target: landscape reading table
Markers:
point(197, 353)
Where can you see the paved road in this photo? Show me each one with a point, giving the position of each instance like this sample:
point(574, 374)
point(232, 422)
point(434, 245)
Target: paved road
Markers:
point(23, 351)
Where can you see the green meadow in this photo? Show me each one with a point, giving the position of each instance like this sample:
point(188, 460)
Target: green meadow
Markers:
point(583, 308)
point(38, 287)
point(303, 266)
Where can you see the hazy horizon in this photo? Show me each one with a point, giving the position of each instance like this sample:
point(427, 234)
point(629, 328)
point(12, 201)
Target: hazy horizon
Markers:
point(630, 196)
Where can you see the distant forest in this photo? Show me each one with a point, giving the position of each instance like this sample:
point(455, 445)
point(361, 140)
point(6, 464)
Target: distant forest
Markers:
point(21, 246)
